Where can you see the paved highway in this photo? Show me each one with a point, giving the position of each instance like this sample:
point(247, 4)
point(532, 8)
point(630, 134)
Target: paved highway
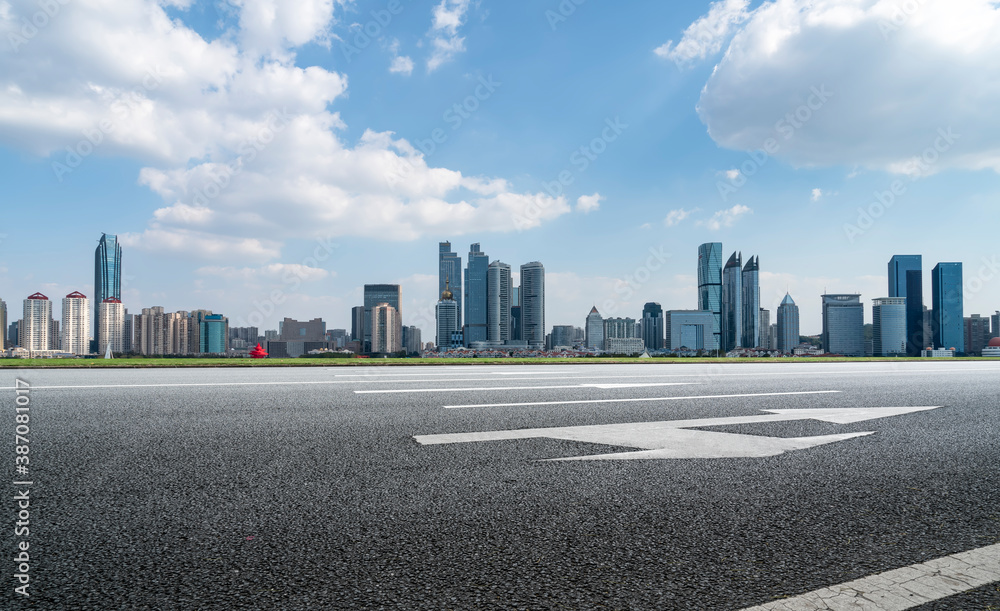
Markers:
point(510, 487)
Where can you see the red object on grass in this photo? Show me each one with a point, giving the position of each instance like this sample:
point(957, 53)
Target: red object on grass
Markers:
point(258, 353)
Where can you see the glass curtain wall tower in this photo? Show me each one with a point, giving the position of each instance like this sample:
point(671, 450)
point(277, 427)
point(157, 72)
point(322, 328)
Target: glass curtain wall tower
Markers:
point(710, 285)
point(732, 303)
point(947, 320)
point(107, 277)
point(450, 274)
point(750, 303)
point(476, 272)
point(905, 280)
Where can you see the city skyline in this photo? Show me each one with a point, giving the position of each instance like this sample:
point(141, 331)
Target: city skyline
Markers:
point(612, 183)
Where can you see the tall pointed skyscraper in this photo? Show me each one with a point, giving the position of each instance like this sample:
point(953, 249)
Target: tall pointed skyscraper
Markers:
point(788, 324)
point(906, 280)
point(450, 274)
point(107, 277)
point(710, 285)
point(732, 303)
point(750, 303)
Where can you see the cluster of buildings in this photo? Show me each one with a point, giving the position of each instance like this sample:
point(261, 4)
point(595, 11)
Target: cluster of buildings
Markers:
point(482, 312)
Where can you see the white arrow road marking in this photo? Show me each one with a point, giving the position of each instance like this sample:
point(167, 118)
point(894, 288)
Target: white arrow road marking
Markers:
point(483, 388)
point(669, 439)
point(633, 400)
point(904, 588)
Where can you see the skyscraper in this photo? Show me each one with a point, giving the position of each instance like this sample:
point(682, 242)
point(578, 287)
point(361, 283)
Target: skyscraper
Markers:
point(111, 320)
point(213, 334)
point(750, 303)
point(995, 322)
point(889, 326)
point(710, 285)
point(788, 325)
point(765, 329)
point(906, 280)
point(533, 304)
point(76, 324)
point(476, 280)
point(947, 321)
point(450, 273)
point(358, 324)
point(374, 295)
point(977, 334)
point(3, 324)
point(107, 275)
point(595, 330)
point(37, 323)
point(732, 303)
point(652, 326)
point(446, 313)
point(515, 314)
point(498, 302)
point(689, 329)
point(843, 325)
point(387, 330)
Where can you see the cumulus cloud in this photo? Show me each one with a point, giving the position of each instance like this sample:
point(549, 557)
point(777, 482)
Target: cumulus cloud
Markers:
point(726, 218)
point(400, 64)
point(817, 194)
point(238, 140)
point(588, 203)
point(859, 83)
point(676, 216)
point(706, 36)
point(448, 18)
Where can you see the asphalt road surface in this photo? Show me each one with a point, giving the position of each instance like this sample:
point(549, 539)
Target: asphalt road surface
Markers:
point(433, 488)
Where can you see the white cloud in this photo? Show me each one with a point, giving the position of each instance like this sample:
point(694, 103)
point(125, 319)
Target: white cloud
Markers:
point(400, 64)
point(238, 140)
point(817, 194)
point(732, 174)
point(676, 216)
point(707, 35)
point(589, 203)
point(862, 83)
point(448, 18)
point(726, 218)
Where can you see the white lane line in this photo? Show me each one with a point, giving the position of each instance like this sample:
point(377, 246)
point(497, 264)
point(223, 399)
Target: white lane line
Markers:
point(762, 394)
point(451, 373)
point(286, 383)
point(709, 374)
point(601, 386)
point(904, 588)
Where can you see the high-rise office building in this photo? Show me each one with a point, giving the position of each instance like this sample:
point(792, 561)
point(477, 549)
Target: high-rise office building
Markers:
point(476, 295)
point(37, 323)
point(563, 336)
point(765, 329)
point(107, 275)
point(889, 326)
point(412, 343)
point(843, 325)
point(3, 324)
point(213, 333)
point(595, 330)
point(652, 326)
point(55, 338)
point(374, 295)
point(515, 313)
point(995, 324)
point(533, 304)
point(788, 325)
point(750, 303)
point(450, 273)
point(76, 324)
point(710, 285)
point(977, 334)
point(773, 341)
point(128, 332)
point(446, 313)
point(732, 303)
point(690, 329)
point(303, 331)
point(387, 330)
point(620, 328)
point(498, 294)
point(947, 321)
point(358, 324)
point(111, 320)
point(906, 280)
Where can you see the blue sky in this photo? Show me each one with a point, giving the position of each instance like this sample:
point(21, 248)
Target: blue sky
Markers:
point(266, 159)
